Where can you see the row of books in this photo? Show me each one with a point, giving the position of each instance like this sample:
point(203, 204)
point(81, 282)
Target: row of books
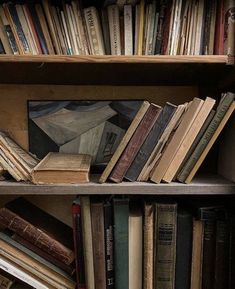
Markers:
point(36, 249)
point(169, 143)
point(154, 244)
point(129, 28)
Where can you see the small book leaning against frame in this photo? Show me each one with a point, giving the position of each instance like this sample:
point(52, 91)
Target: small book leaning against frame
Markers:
point(59, 168)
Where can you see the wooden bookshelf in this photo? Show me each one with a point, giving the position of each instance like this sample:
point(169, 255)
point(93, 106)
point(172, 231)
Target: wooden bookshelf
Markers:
point(205, 185)
point(116, 70)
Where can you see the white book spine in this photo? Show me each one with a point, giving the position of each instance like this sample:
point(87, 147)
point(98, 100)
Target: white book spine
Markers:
point(128, 30)
point(137, 23)
point(114, 29)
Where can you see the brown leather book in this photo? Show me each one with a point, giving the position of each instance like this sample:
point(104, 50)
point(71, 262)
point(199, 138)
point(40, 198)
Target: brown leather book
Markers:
point(135, 143)
point(97, 221)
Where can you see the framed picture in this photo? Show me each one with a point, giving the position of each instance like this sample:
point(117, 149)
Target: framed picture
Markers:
point(88, 127)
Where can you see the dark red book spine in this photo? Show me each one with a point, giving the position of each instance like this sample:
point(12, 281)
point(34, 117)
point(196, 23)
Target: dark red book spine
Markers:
point(219, 29)
point(78, 245)
point(135, 143)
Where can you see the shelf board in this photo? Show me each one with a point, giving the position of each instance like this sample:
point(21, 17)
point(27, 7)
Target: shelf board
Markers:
point(212, 185)
point(114, 70)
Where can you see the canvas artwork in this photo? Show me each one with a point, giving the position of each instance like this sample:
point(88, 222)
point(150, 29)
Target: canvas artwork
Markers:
point(90, 127)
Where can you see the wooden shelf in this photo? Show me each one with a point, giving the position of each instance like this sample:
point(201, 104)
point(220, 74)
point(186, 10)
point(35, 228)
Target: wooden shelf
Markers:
point(212, 185)
point(114, 70)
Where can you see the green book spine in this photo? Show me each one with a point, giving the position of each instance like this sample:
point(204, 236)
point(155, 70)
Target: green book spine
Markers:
point(220, 113)
point(121, 254)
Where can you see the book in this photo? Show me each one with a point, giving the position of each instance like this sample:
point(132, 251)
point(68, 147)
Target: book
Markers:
point(114, 29)
point(98, 243)
point(183, 249)
point(141, 27)
point(189, 139)
point(5, 41)
point(135, 248)
point(229, 27)
point(128, 30)
point(222, 115)
point(121, 247)
point(165, 242)
point(87, 241)
point(176, 141)
point(197, 254)
point(62, 168)
point(150, 142)
point(105, 30)
point(109, 244)
point(32, 223)
point(129, 133)
point(135, 143)
point(148, 248)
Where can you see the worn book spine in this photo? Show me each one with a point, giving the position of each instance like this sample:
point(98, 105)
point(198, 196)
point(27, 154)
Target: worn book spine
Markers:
point(148, 246)
point(165, 242)
point(219, 29)
point(114, 29)
point(229, 30)
point(135, 143)
point(78, 244)
point(128, 30)
point(109, 245)
point(105, 29)
point(97, 221)
point(208, 271)
point(159, 38)
point(37, 237)
point(150, 142)
point(141, 27)
point(121, 252)
point(221, 255)
point(211, 129)
point(183, 250)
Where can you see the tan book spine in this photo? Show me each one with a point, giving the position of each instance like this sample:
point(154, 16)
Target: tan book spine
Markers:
point(176, 140)
point(132, 128)
point(189, 139)
point(197, 254)
point(114, 29)
point(148, 246)
point(87, 241)
point(141, 28)
point(210, 144)
point(199, 27)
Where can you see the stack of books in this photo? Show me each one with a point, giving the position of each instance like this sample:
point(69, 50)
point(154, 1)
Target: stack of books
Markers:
point(35, 247)
point(146, 244)
point(169, 143)
point(118, 27)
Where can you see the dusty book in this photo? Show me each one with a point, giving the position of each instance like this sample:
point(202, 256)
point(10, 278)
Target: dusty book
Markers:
point(114, 29)
point(62, 168)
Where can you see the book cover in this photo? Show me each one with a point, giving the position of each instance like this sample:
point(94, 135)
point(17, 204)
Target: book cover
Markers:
point(114, 29)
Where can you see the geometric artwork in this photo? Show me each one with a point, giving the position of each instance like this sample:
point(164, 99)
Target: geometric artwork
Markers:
point(90, 127)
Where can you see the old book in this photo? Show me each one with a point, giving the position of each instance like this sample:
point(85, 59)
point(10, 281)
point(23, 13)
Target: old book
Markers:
point(137, 23)
point(121, 237)
point(176, 141)
point(197, 254)
point(151, 36)
point(109, 244)
point(199, 27)
point(78, 244)
point(62, 168)
point(4, 38)
point(229, 28)
point(129, 133)
point(63, 32)
point(183, 249)
point(72, 29)
point(135, 248)
point(189, 139)
point(105, 30)
point(148, 246)
point(97, 221)
point(39, 228)
point(141, 27)
point(162, 12)
point(114, 29)
point(165, 242)
point(135, 143)
point(94, 29)
point(128, 30)
point(221, 255)
point(34, 266)
point(150, 142)
point(222, 115)
point(87, 241)
point(219, 29)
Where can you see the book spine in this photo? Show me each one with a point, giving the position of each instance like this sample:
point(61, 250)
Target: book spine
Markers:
point(229, 27)
point(166, 223)
point(97, 221)
point(220, 113)
point(148, 246)
point(135, 143)
point(121, 252)
point(150, 142)
point(105, 29)
point(114, 29)
point(78, 246)
point(37, 237)
point(160, 26)
point(128, 31)
point(109, 245)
